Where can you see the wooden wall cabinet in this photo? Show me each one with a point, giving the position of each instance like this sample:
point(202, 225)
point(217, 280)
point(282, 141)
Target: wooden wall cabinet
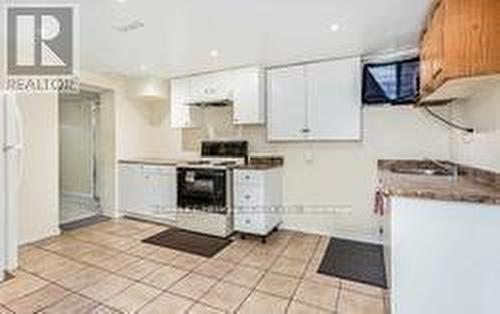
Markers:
point(460, 48)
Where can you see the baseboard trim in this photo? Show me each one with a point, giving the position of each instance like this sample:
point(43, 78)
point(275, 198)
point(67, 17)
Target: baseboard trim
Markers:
point(343, 234)
point(113, 214)
point(358, 237)
point(53, 232)
point(77, 194)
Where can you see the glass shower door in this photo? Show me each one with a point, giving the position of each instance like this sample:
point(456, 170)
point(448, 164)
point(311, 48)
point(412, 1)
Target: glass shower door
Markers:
point(78, 161)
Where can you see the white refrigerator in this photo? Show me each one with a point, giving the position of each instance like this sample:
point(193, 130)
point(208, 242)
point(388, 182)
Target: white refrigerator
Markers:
point(11, 139)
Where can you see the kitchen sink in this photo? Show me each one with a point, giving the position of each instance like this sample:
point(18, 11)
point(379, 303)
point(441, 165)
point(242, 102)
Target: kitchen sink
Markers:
point(423, 171)
point(428, 167)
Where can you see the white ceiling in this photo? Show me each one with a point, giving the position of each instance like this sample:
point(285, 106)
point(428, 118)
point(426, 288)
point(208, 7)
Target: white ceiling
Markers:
point(179, 34)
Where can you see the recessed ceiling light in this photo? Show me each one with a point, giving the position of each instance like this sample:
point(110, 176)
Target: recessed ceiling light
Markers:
point(334, 27)
point(121, 1)
point(214, 53)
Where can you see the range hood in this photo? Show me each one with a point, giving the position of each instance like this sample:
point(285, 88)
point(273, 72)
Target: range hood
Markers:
point(211, 103)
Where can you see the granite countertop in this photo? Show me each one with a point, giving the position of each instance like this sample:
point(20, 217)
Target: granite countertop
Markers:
point(262, 163)
point(257, 167)
point(153, 162)
point(472, 185)
point(255, 162)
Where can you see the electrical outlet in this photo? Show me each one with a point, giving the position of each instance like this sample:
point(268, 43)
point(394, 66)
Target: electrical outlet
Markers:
point(309, 157)
point(468, 138)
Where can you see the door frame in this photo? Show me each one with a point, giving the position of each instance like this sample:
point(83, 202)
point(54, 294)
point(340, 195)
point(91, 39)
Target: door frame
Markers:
point(3, 196)
point(9, 186)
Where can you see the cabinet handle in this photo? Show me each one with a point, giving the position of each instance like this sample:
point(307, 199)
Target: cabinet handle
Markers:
point(247, 221)
point(305, 130)
point(247, 197)
point(247, 177)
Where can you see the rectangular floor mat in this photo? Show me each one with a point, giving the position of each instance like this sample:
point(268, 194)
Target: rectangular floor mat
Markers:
point(356, 261)
point(189, 242)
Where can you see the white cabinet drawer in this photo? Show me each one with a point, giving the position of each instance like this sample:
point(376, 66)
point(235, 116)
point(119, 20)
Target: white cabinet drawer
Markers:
point(248, 196)
point(255, 193)
point(248, 177)
point(251, 222)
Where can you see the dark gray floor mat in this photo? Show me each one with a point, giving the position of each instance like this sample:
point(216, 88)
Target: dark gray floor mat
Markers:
point(189, 242)
point(356, 261)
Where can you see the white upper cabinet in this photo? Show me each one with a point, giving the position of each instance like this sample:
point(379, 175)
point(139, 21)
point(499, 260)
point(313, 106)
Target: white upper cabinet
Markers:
point(334, 100)
point(181, 115)
point(286, 99)
point(243, 87)
point(215, 86)
point(317, 101)
point(248, 88)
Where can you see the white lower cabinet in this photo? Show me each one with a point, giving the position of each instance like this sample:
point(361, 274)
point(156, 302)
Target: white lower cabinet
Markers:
point(257, 200)
point(148, 191)
point(442, 257)
point(131, 188)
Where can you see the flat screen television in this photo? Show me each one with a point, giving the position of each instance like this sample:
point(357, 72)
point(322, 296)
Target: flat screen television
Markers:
point(392, 82)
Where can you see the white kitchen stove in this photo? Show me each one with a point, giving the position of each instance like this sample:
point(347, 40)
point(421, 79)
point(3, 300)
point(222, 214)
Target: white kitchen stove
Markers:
point(205, 188)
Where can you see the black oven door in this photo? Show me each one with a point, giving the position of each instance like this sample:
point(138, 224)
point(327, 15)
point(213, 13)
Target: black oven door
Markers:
point(202, 189)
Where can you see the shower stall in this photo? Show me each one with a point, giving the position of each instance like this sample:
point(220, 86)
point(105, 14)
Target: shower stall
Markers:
point(79, 156)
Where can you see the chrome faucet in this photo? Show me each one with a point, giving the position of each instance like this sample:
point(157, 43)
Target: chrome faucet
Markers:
point(452, 169)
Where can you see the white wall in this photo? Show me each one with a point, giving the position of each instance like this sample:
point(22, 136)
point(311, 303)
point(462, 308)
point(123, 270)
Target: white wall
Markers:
point(340, 175)
point(39, 190)
point(482, 112)
point(337, 176)
point(344, 175)
point(145, 131)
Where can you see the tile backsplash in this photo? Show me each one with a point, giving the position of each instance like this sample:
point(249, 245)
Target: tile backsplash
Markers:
point(218, 125)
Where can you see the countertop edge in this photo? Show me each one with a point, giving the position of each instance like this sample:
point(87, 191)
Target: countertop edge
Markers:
point(474, 186)
point(473, 199)
point(150, 162)
point(258, 167)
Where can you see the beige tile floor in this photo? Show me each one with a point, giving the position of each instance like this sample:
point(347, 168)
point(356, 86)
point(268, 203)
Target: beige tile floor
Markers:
point(106, 269)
